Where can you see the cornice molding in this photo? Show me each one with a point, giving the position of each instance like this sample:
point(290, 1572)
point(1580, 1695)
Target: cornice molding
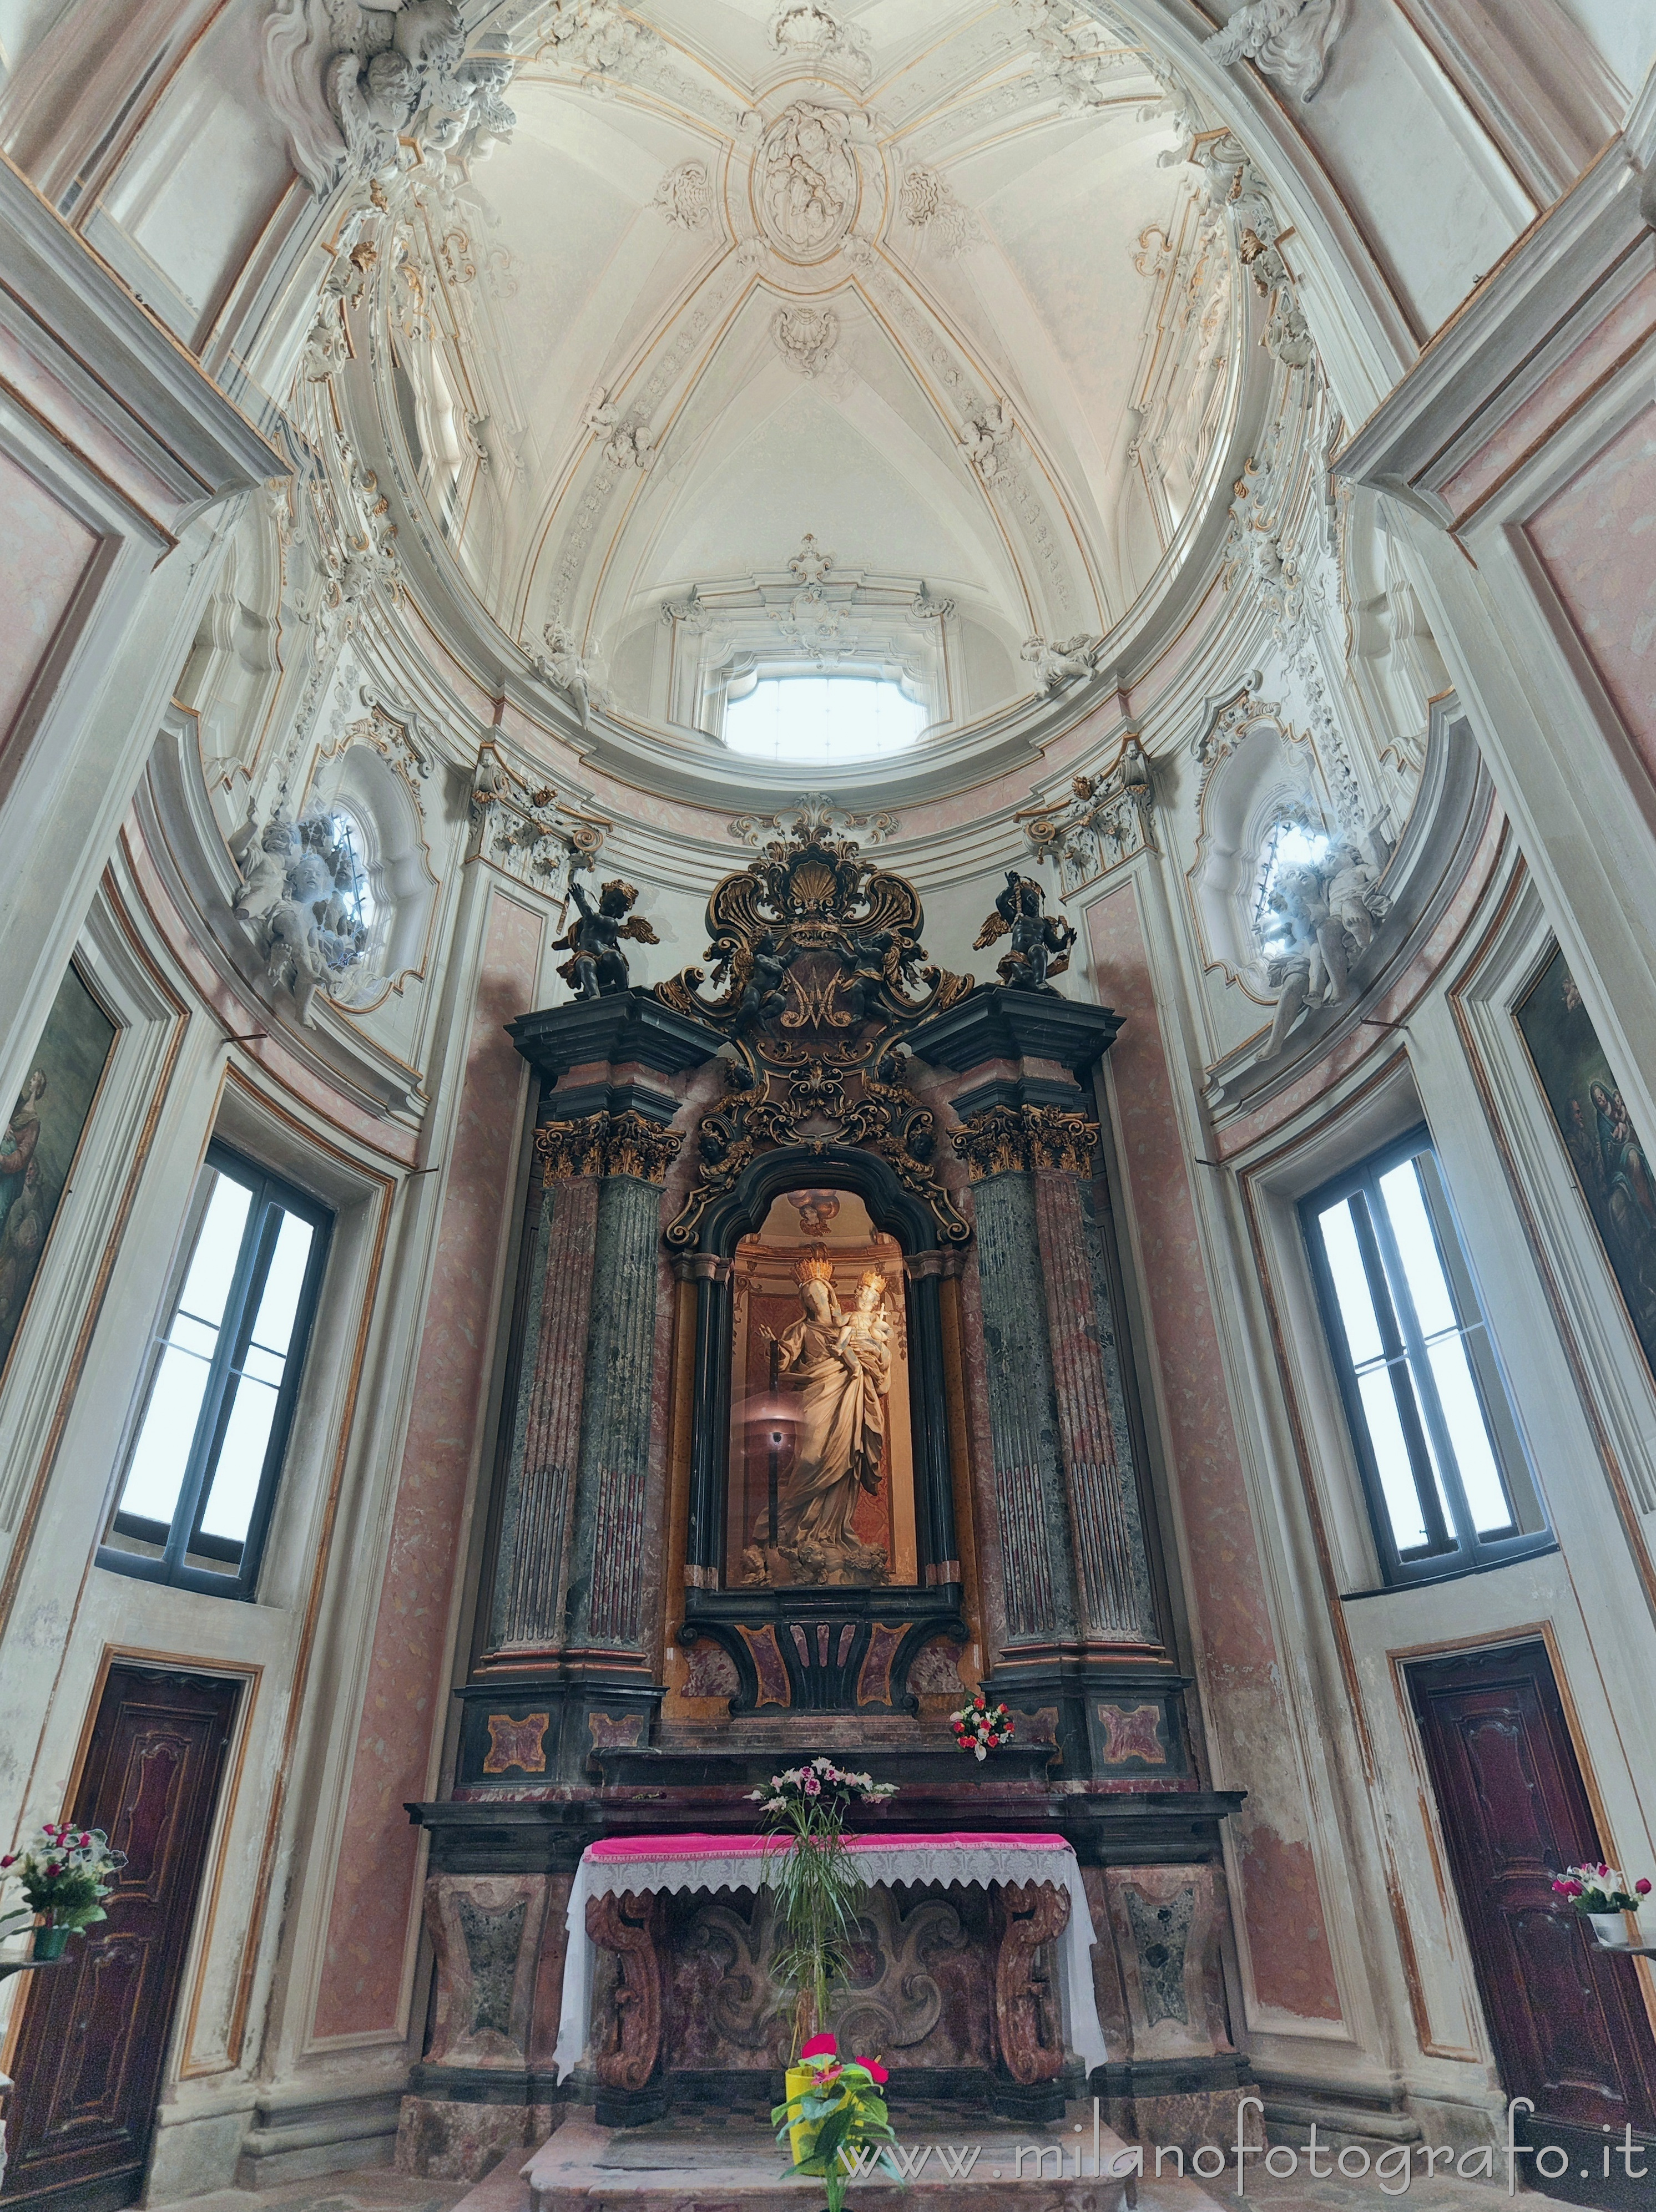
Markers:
point(121, 362)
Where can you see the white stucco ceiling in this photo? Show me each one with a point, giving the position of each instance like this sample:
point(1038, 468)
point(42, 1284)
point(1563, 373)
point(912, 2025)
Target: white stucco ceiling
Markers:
point(1038, 169)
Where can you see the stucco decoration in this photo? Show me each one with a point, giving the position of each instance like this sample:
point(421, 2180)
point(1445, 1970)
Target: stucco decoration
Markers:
point(350, 81)
point(527, 830)
point(926, 202)
point(805, 181)
point(1103, 821)
point(579, 674)
point(806, 337)
point(299, 897)
point(1291, 41)
point(1070, 661)
point(810, 30)
point(1319, 921)
point(685, 195)
point(813, 814)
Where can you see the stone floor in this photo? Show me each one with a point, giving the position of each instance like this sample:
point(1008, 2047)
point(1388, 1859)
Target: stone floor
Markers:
point(1300, 2193)
point(337, 2192)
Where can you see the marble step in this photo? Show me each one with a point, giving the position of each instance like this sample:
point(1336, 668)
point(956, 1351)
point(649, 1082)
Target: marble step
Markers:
point(673, 2168)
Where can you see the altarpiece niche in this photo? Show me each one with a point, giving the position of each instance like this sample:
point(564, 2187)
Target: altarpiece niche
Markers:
point(821, 1462)
point(818, 1225)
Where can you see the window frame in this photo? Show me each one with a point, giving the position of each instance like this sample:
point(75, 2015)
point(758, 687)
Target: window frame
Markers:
point(1454, 1545)
point(272, 1196)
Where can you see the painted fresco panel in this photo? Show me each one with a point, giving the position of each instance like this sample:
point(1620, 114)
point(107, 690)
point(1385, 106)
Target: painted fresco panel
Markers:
point(1607, 1156)
point(40, 1140)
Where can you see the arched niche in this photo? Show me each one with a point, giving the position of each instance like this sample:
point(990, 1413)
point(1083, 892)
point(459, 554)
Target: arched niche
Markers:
point(1255, 775)
point(844, 1641)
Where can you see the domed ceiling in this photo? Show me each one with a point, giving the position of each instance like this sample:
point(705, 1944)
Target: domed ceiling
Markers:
point(811, 320)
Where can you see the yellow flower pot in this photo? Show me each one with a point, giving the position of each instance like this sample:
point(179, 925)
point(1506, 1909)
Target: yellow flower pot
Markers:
point(802, 2133)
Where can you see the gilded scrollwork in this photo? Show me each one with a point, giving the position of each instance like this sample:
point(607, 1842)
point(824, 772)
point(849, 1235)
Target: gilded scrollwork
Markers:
point(817, 970)
point(605, 1145)
point(1017, 1139)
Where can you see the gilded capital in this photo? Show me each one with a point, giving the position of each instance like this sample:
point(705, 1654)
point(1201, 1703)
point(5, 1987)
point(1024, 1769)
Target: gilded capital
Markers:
point(605, 1145)
point(1008, 1140)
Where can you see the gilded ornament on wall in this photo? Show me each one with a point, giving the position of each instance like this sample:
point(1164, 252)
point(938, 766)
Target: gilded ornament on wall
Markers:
point(817, 972)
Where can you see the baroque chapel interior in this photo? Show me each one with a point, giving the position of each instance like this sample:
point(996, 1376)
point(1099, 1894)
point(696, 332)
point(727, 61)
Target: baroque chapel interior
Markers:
point(827, 1278)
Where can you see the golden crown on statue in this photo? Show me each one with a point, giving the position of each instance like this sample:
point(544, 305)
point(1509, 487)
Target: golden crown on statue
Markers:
point(874, 1280)
point(816, 1270)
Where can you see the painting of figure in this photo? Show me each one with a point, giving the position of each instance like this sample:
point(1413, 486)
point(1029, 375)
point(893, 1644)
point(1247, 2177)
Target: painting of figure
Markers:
point(39, 1141)
point(1605, 1152)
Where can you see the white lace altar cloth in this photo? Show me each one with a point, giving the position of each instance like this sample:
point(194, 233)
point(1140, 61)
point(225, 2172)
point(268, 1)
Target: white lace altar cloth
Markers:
point(715, 1863)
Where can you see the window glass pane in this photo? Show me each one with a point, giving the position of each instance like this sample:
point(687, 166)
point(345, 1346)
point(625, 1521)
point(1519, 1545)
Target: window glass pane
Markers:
point(212, 1263)
point(1462, 1416)
point(1403, 1503)
point(240, 1461)
point(1423, 1270)
point(823, 717)
point(274, 1327)
point(197, 1336)
point(1350, 1282)
point(153, 1479)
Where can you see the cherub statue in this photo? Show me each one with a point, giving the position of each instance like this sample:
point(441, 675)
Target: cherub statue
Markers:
point(265, 866)
point(865, 961)
point(596, 966)
point(1070, 661)
point(1040, 945)
point(765, 993)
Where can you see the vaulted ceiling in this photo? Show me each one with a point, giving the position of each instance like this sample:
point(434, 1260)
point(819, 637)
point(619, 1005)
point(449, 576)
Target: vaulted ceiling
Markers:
point(901, 273)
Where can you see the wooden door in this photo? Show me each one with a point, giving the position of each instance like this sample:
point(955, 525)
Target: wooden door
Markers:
point(1569, 2024)
point(88, 2061)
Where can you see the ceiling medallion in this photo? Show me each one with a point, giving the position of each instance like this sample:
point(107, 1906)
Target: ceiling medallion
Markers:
point(806, 185)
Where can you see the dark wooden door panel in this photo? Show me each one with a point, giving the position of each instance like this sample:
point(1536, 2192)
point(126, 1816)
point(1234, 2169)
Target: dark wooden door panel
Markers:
point(1569, 2023)
point(88, 2059)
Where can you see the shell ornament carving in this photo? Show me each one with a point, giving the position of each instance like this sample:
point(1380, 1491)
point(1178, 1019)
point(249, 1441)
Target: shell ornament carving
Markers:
point(817, 971)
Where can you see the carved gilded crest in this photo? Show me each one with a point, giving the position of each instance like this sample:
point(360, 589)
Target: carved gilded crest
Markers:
point(817, 971)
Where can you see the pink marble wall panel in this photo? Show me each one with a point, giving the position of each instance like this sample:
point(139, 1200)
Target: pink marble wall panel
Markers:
point(1625, 327)
point(1597, 538)
point(44, 552)
point(1239, 1667)
point(403, 1710)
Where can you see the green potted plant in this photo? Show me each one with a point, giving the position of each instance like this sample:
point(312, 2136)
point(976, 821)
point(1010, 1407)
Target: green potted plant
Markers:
point(835, 2120)
point(817, 1889)
point(62, 1874)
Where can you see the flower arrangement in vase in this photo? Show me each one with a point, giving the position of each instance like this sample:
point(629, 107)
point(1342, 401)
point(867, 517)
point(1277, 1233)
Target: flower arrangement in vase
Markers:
point(980, 1727)
point(834, 2114)
point(63, 1876)
point(1601, 1895)
point(816, 1886)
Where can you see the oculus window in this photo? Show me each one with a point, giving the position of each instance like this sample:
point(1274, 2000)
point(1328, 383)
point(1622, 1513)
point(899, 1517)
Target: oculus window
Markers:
point(221, 1385)
point(1448, 1480)
point(823, 717)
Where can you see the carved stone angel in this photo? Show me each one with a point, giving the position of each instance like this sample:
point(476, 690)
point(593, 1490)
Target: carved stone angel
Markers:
point(1040, 945)
point(1055, 665)
point(596, 966)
